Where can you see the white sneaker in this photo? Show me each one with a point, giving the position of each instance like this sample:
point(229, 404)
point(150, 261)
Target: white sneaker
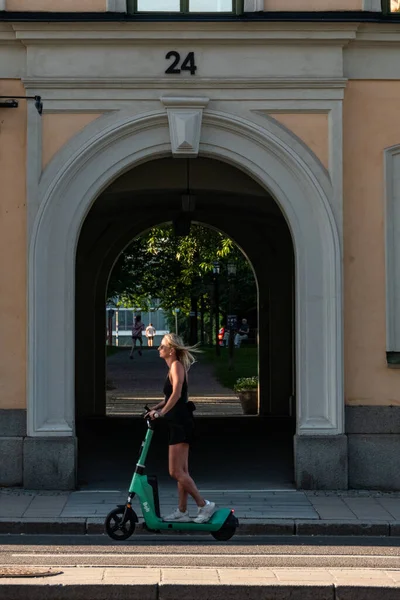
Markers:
point(205, 512)
point(178, 517)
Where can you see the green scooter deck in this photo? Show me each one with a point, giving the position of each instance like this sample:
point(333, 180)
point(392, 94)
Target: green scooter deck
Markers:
point(214, 524)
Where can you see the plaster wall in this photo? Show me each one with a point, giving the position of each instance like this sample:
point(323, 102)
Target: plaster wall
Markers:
point(317, 5)
point(13, 250)
point(57, 5)
point(133, 60)
point(370, 125)
point(59, 128)
point(311, 128)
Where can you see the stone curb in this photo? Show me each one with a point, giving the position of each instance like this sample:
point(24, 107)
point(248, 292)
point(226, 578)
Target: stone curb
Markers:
point(173, 591)
point(286, 527)
point(333, 527)
point(42, 526)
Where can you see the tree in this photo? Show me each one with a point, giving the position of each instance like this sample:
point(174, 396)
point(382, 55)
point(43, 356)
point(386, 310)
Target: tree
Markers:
point(178, 272)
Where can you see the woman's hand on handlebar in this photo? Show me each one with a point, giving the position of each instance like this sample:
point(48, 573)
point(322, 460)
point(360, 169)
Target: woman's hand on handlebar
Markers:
point(151, 412)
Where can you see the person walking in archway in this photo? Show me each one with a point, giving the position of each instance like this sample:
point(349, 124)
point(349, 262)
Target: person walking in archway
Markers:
point(137, 331)
point(150, 333)
point(178, 413)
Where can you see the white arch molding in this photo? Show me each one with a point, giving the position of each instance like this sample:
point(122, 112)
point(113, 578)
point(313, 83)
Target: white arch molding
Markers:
point(116, 143)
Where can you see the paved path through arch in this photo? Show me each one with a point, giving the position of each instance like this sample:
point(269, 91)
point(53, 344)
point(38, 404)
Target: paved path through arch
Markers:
point(140, 381)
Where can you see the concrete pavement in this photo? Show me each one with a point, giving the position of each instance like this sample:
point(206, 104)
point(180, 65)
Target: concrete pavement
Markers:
point(139, 381)
point(171, 568)
point(259, 512)
point(206, 584)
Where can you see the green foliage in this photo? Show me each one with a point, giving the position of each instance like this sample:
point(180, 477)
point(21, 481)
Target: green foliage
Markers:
point(175, 269)
point(243, 384)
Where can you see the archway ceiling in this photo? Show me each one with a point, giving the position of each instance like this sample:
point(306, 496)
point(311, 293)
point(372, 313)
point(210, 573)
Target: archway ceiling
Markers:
point(116, 219)
point(170, 201)
point(178, 174)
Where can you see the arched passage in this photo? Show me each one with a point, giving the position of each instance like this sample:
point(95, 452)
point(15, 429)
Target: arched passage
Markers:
point(301, 188)
point(225, 198)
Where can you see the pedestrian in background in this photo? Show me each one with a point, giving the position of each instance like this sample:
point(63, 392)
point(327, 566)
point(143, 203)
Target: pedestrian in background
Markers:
point(242, 334)
point(137, 331)
point(150, 333)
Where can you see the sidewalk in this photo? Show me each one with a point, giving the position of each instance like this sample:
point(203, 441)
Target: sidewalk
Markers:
point(206, 584)
point(259, 512)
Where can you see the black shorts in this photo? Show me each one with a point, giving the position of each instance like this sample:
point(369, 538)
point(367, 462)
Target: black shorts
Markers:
point(181, 432)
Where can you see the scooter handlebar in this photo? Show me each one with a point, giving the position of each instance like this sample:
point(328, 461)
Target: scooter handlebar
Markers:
point(148, 420)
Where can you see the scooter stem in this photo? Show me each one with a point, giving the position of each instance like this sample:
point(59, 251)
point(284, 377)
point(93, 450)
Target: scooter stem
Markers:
point(140, 465)
point(145, 447)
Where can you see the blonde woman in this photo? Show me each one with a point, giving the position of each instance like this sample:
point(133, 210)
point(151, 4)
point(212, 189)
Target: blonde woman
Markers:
point(177, 413)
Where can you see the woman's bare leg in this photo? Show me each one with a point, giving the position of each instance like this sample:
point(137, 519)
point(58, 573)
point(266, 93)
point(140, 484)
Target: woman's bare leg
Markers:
point(182, 493)
point(178, 469)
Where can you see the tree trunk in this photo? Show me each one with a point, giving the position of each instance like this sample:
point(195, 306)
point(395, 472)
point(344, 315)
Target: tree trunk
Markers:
point(193, 321)
point(202, 320)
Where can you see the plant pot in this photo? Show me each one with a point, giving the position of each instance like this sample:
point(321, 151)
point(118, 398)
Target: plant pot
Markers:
point(249, 401)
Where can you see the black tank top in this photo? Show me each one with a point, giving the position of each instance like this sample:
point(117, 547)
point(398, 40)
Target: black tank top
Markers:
point(167, 391)
point(179, 413)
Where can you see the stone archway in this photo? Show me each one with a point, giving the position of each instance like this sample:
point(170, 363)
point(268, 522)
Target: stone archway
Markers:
point(302, 189)
point(227, 200)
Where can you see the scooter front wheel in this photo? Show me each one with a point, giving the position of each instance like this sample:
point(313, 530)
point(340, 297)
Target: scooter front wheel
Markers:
point(115, 526)
point(227, 530)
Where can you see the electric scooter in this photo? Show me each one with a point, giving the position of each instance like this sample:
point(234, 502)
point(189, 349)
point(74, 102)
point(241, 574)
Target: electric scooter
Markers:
point(120, 523)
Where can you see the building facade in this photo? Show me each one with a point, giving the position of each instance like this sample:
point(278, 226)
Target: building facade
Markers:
point(287, 113)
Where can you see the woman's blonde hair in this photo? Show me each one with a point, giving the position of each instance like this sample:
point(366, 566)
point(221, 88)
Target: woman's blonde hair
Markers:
point(183, 353)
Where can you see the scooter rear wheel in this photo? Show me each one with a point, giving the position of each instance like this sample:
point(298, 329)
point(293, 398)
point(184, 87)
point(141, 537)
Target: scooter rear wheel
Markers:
point(116, 529)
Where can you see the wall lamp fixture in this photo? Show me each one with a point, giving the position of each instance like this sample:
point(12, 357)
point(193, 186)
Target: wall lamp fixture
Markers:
point(11, 102)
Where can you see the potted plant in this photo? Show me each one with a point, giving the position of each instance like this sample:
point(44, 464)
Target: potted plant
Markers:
point(247, 390)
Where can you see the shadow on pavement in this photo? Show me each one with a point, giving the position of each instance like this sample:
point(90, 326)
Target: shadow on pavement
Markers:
point(232, 453)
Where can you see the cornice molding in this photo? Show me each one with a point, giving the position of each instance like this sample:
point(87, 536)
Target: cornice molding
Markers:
point(299, 34)
point(378, 35)
point(7, 33)
point(205, 33)
point(200, 82)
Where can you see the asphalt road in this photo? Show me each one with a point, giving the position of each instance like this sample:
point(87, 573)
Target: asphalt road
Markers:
point(167, 551)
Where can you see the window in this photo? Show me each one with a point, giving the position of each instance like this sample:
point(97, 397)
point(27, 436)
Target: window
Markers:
point(391, 7)
point(199, 7)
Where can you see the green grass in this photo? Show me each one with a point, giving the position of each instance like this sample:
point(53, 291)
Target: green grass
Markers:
point(244, 362)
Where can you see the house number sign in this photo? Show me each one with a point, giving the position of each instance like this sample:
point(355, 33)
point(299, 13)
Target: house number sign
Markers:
point(176, 67)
